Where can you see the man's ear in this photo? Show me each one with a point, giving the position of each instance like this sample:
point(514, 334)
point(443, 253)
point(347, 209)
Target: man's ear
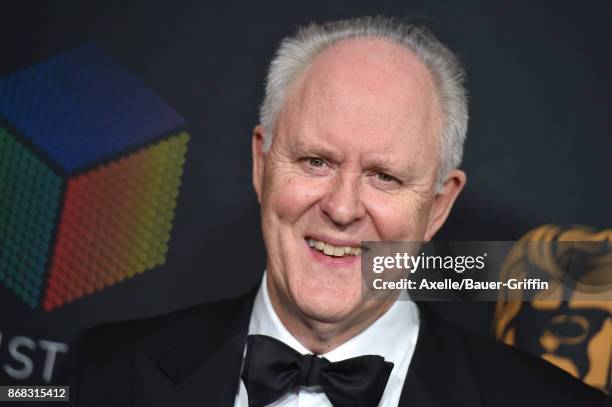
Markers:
point(258, 159)
point(444, 200)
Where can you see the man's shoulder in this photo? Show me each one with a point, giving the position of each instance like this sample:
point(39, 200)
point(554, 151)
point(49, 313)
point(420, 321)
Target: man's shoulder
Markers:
point(508, 376)
point(478, 370)
point(108, 355)
point(155, 335)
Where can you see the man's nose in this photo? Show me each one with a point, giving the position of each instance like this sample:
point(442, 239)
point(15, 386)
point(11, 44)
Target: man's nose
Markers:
point(343, 201)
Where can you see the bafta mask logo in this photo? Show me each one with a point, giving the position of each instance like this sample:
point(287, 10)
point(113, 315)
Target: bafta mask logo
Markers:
point(569, 329)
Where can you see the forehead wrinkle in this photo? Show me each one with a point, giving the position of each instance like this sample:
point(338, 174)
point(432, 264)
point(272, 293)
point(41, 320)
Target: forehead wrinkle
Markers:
point(357, 117)
point(354, 118)
point(354, 106)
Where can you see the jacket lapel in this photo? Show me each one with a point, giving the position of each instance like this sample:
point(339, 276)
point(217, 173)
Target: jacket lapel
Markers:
point(203, 368)
point(439, 373)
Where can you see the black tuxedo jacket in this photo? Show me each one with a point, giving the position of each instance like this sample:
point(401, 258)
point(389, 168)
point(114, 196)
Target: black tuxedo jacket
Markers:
point(193, 357)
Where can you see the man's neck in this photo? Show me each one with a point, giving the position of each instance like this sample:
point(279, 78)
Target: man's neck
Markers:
point(321, 337)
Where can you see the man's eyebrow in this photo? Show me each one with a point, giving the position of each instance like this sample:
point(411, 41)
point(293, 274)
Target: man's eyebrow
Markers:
point(396, 168)
point(380, 166)
point(313, 149)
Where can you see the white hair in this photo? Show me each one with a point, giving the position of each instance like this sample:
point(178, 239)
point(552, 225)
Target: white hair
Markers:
point(298, 51)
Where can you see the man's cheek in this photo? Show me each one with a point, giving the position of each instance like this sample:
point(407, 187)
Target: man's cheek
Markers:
point(395, 219)
point(296, 195)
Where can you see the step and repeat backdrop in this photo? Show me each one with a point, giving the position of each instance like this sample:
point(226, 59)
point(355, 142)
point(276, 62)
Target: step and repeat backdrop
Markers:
point(125, 184)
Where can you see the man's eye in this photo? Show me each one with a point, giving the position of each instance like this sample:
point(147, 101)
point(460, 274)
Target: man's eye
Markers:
point(316, 162)
point(385, 177)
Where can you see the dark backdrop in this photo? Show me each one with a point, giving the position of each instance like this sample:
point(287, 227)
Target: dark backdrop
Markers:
point(539, 146)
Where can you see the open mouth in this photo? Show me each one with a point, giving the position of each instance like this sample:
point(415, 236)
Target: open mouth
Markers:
point(331, 250)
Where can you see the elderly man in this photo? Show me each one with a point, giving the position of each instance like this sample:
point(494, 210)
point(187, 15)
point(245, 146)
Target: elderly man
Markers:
point(360, 139)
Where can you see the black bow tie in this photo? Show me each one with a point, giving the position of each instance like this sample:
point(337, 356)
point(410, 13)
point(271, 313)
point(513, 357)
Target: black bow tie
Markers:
point(273, 369)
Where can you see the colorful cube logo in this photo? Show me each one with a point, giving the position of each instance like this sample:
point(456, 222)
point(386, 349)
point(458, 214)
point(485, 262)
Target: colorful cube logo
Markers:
point(90, 166)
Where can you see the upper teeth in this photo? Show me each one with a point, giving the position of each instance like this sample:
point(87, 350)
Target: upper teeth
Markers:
point(332, 250)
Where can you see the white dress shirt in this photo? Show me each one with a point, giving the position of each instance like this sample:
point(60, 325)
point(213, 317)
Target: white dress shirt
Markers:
point(392, 336)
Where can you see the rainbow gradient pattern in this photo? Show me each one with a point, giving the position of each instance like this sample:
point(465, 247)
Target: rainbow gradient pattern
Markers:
point(91, 162)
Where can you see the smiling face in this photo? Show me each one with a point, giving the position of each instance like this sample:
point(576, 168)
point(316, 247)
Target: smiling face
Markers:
point(354, 157)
